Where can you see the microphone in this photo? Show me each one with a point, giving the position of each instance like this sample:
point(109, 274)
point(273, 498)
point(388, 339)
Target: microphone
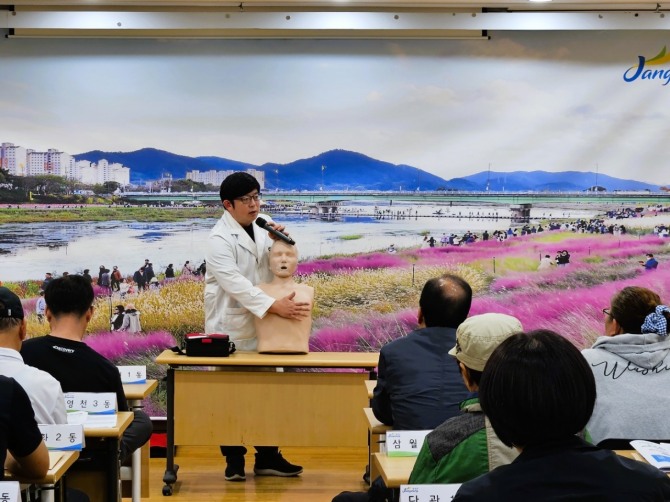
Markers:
point(264, 225)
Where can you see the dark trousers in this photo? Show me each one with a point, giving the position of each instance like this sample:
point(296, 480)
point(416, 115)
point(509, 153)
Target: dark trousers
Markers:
point(136, 435)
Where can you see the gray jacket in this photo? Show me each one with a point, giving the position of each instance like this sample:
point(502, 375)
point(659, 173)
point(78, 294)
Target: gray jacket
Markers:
point(632, 374)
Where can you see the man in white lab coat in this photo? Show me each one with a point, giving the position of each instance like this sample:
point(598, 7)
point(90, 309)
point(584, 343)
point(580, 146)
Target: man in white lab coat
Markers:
point(237, 258)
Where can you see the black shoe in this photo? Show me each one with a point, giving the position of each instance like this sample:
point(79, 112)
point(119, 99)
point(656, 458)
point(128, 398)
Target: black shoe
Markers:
point(235, 469)
point(275, 465)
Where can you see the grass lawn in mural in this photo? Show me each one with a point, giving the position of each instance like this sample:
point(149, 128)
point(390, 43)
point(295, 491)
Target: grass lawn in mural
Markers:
point(364, 301)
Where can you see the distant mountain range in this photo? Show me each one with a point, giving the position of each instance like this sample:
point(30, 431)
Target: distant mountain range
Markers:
point(345, 170)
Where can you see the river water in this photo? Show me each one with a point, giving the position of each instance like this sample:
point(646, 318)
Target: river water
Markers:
point(29, 250)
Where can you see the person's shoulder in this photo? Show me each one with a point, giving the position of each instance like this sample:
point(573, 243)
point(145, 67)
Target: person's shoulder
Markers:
point(455, 430)
point(34, 344)
point(481, 489)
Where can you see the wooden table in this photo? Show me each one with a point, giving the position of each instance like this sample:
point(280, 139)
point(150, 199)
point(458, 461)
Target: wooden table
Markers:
point(136, 393)
point(59, 463)
point(90, 482)
point(250, 402)
point(394, 471)
point(370, 387)
point(376, 436)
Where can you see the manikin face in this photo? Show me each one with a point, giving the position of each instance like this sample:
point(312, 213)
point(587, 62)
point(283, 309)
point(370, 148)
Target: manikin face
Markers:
point(283, 259)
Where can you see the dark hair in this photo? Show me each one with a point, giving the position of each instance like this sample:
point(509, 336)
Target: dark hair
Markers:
point(71, 294)
point(445, 301)
point(631, 305)
point(236, 185)
point(537, 387)
point(9, 323)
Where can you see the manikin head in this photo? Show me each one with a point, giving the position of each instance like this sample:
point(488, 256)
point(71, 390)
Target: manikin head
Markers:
point(283, 259)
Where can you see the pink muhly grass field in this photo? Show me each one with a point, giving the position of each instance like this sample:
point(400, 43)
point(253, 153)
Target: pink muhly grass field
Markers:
point(338, 265)
point(117, 345)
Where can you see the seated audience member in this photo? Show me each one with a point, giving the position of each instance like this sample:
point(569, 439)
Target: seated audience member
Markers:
point(631, 365)
point(131, 320)
point(117, 318)
point(538, 393)
point(74, 364)
point(419, 385)
point(43, 390)
point(465, 446)
point(22, 450)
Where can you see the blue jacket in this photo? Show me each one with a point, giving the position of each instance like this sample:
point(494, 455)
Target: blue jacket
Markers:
point(419, 385)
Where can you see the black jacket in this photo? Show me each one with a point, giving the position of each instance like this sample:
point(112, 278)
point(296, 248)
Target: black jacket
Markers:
point(569, 470)
point(419, 385)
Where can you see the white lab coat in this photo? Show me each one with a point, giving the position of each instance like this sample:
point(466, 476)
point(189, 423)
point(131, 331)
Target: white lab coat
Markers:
point(235, 264)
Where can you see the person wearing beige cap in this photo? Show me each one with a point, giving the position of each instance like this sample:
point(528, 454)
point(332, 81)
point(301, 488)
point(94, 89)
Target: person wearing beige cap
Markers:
point(465, 446)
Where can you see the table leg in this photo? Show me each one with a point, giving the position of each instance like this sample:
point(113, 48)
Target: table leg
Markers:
point(113, 492)
point(170, 476)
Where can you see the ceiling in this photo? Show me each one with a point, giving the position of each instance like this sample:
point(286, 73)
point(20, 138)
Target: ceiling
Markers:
point(321, 18)
point(518, 5)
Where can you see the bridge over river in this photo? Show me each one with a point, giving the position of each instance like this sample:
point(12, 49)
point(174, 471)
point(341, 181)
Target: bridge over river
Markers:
point(440, 197)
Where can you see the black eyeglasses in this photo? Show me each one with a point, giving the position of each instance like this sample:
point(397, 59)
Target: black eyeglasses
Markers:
point(607, 312)
point(246, 200)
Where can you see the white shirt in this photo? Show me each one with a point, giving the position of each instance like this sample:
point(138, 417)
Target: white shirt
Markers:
point(43, 390)
point(40, 305)
point(235, 264)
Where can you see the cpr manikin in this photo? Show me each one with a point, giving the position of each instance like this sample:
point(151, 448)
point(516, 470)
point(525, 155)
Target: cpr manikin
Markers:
point(275, 334)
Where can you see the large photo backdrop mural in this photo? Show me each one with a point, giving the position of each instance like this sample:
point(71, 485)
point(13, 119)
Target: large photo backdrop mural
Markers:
point(532, 164)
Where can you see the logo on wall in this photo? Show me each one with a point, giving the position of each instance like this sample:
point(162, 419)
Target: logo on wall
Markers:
point(642, 72)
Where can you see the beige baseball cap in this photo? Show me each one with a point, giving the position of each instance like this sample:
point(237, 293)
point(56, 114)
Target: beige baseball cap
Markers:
point(478, 336)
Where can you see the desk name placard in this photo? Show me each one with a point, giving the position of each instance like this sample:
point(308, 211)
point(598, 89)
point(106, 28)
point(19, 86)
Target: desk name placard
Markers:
point(428, 493)
point(62, 437)
point(94, 403)
point(133, 374)
point(10, 491)
point(404, 443)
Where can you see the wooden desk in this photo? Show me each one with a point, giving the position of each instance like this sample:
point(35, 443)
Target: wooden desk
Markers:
point(135, 394)
point(376, 436)
point(59, 463)
point(306, 408)
point(370, 386)
point(394, 471)
point(139, 391)
point(89, 481)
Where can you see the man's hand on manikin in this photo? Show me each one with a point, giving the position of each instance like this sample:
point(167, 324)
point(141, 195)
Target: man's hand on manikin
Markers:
point(290, 309)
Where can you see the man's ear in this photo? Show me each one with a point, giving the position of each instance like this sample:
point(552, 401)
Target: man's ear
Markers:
point(23, 329)
point(89, 314)
point(419, 317)
point(465, 373)
point(227, 204)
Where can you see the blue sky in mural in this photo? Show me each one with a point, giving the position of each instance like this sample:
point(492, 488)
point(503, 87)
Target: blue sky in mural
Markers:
point(550, 101)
